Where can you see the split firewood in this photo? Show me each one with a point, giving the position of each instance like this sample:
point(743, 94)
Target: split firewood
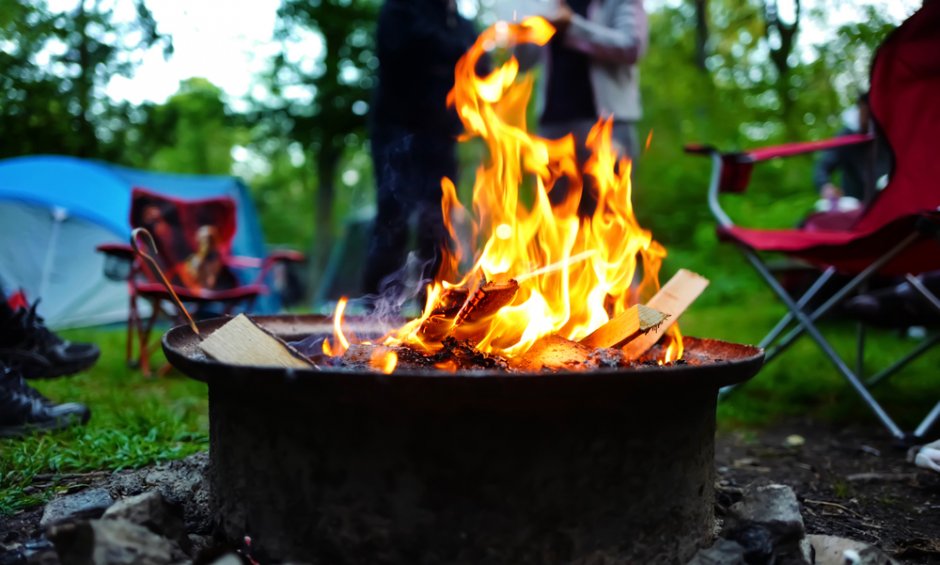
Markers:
point(241, 341)
point(673, 299)
point(450, 301)
point(554, 352)
point(635, 321)
point(486, 301)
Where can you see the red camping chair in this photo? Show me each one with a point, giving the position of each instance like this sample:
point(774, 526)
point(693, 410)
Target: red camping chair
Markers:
point(897, 234)
point(194, 245)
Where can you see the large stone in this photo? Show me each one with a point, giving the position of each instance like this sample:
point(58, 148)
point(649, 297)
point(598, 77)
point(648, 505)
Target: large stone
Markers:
point(111, 542)
point(152, 511)
point(182, 482)
point(723, 552)
point(86, 504)
point(772, 506)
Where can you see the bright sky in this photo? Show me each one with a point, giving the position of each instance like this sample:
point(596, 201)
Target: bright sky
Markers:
point(227, 42)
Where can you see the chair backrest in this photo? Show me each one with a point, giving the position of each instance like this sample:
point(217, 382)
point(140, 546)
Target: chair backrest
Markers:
point(193, 238)
point(905, 103)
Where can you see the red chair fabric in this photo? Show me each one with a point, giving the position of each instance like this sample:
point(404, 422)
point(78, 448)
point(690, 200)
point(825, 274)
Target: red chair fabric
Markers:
point(194, 243)
point(897, 233)
point(905, 102)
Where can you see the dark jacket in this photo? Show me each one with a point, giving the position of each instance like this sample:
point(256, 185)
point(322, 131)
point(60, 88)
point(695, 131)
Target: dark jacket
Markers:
point(418, 45)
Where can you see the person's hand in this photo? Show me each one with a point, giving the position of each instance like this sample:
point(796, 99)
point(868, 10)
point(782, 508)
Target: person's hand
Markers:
point(830, 191)
point(562, 18)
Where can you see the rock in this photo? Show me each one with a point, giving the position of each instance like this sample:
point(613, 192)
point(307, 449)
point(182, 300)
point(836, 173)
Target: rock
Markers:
point(772, 506)
point(835, 550)
point(111, 542)
point(152, 511)
point(228, 559)
point(723, 552)
point(181, 482)
point(757, 541)
point(86, 504)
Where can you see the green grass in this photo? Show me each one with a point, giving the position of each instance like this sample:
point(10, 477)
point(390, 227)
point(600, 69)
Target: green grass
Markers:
point(801, 381)
point(135, 421)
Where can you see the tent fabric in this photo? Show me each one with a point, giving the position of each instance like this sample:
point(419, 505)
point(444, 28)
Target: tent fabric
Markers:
point(54, 210)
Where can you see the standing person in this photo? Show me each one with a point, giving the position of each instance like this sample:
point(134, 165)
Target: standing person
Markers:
point(592, 73)
point(29, 349)
point(413, 132)
point(862, 167)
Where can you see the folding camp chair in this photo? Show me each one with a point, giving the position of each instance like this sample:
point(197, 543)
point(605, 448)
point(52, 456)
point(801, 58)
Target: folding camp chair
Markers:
point(897, 234)
point(194, 244)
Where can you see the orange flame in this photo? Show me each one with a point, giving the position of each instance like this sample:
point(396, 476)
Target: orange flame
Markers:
point(594, 259)
point(575, 272)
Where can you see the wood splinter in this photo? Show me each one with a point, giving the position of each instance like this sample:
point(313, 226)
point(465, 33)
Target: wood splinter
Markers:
point(635, 321)
point(241, 341)
point(673, 299)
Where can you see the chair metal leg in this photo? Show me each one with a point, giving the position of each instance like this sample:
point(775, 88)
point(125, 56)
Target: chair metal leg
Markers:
point(806, 323)
point(836, 298)
point(804, 300)
point(144, 340)
point(928, 422)
point(902, 362)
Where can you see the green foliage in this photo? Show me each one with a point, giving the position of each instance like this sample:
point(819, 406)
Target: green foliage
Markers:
point(53, 70)
point(135, 422)
point(192, 132)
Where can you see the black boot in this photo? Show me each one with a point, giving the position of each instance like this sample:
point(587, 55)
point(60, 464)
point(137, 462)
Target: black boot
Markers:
point(28, 345)
point(23, 410)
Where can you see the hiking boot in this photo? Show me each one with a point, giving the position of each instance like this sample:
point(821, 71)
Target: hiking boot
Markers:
point(24, 410)
point(28, 345)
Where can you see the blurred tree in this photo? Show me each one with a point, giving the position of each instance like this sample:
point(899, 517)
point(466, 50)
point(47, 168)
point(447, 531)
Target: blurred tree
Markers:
point(320, 86)
point(192, 132)
point(53, 71)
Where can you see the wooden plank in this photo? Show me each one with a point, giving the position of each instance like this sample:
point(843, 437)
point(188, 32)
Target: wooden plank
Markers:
point(243, 342)
point(636, 320)
point(673, 299)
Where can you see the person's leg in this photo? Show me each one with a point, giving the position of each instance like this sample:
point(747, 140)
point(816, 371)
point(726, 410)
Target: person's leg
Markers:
point(386, 251)
point(437, 159)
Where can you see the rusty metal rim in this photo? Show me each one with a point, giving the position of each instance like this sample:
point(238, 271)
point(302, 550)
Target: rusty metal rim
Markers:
point(180, 344)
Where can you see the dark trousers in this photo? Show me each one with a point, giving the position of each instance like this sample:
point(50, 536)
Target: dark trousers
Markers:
point(408, 168)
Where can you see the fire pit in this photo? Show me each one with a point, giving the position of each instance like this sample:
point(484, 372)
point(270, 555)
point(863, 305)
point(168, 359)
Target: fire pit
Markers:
point(354, 466)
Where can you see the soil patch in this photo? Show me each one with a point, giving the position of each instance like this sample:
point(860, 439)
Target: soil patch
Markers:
point(853, 482)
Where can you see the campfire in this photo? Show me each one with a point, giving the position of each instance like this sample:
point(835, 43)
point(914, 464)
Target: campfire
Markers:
point(543, 408)
point(545, 286)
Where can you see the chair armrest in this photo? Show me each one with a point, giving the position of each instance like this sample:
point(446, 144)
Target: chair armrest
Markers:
point(735, 167)
point(118, 250)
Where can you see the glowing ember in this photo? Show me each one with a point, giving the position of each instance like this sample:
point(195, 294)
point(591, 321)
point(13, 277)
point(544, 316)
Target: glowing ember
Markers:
point(569, 274)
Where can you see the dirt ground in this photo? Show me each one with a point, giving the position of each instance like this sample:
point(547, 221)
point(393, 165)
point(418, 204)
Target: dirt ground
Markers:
point(853, 482)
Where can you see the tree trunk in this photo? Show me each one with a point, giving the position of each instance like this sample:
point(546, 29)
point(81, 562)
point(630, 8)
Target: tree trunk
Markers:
point(85, 83)
point(780, 56)
point(701, 33)
point(327, 160)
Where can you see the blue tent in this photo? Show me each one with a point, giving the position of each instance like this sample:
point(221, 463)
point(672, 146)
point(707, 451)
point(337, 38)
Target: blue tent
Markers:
point(53, 212)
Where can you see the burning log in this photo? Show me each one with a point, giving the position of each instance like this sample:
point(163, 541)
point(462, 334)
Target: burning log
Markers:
point(243, 342)
point(449, 314)
point(673, 298)
point(486, 301)
point(637, 320)
point(555, 352)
